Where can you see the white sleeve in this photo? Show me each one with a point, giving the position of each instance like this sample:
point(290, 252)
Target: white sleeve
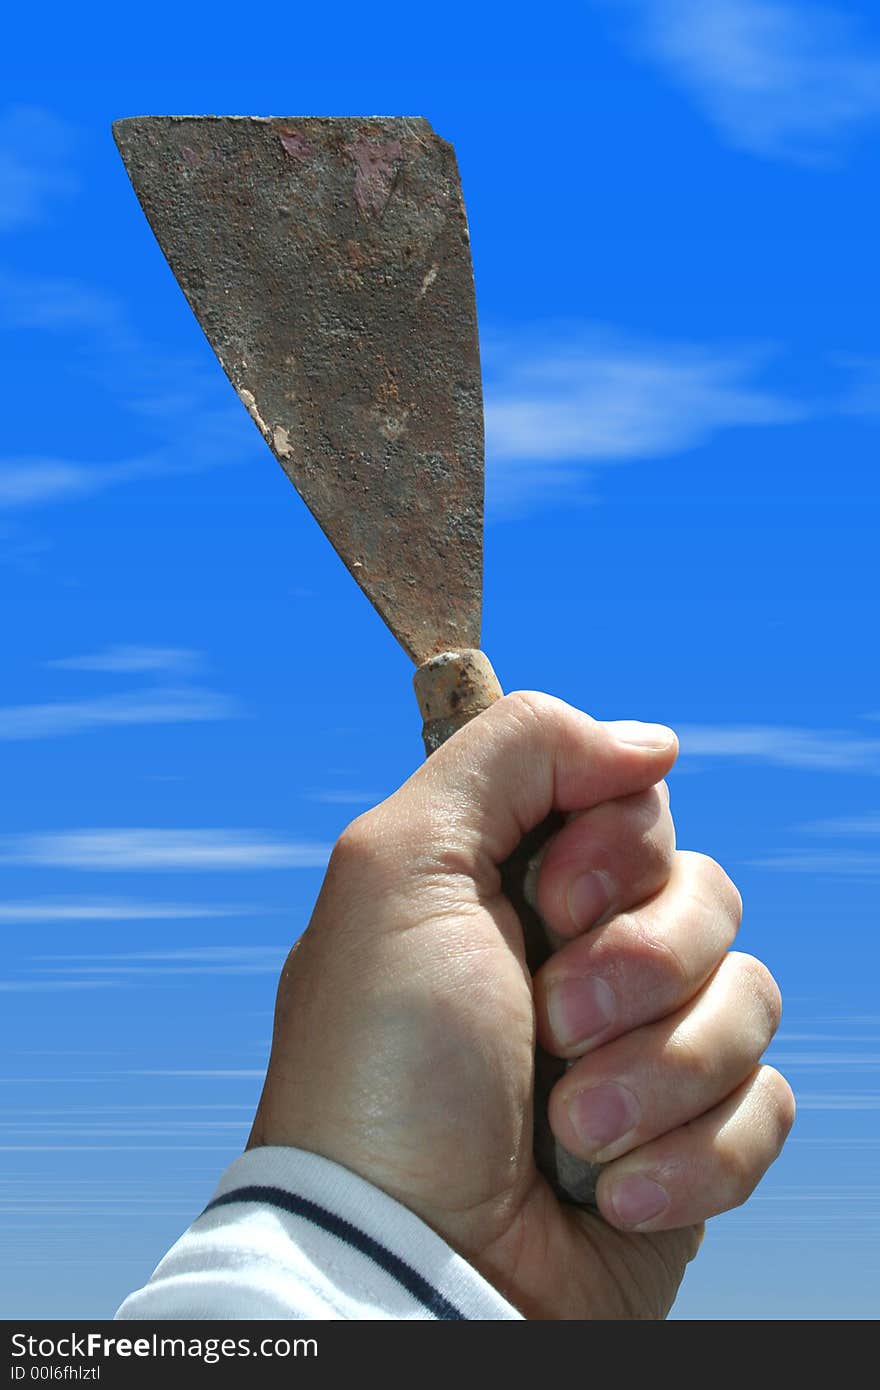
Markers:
point(288, 1234)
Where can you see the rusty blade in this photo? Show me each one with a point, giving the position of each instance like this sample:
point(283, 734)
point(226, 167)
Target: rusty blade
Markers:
point(327, 260)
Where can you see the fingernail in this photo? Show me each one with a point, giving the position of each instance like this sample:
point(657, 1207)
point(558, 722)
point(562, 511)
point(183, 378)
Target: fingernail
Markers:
point(588, 897)
point(636, 1199)
point(579, 1010)
point(601, 1115)
point(630, 731)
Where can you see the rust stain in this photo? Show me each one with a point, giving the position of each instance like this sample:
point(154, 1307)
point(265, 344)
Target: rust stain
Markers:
point(377, 167)
point(295, 144)
point(355, 252)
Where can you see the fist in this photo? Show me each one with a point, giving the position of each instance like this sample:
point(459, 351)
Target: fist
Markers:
point(407, 1018)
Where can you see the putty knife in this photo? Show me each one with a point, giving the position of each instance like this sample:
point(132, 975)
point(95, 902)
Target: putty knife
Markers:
point(328, 262)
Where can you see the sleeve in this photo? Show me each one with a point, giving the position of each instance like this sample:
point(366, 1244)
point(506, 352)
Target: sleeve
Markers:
point(289, 1234)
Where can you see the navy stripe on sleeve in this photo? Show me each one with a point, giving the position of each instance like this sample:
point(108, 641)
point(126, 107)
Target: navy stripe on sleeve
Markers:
point(337, 1226)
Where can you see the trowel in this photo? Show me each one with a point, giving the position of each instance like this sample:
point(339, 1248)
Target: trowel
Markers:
point(328, 262)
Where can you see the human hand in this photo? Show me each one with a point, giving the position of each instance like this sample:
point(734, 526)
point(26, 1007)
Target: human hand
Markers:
point(406, 1018)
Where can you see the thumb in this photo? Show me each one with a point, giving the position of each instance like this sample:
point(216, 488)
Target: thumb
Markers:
point(527, 755)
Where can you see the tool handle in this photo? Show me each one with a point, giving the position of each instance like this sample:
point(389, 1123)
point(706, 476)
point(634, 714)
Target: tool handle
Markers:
point(452, 689)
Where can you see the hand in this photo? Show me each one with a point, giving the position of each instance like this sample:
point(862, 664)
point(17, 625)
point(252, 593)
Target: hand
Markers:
point(406, 1017)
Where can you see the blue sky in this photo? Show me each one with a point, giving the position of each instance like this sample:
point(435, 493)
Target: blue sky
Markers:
point(673, 216)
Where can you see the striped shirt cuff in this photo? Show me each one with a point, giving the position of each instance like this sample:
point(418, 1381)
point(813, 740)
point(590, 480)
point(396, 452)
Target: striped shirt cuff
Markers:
point(291, 1235)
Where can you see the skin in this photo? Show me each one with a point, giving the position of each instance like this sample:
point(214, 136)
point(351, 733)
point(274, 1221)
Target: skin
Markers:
point(406, 1018)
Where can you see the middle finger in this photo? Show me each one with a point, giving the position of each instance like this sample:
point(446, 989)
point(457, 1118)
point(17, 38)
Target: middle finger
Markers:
point(641, 965)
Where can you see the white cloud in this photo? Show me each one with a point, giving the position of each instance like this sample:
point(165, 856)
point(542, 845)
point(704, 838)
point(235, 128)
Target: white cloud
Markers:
point(191, 960)
point(560, 396)
point(27, 986)
point(182, 412)
point(783, 79)
point(117, 1129)
point(77, 1192)
point(27, 482)
point(212, 1073)
point(133, 1109)
point(838, 1101)
point(868, 824)
point(53, 720)
point(824, 1060)
point(32, 482)
point(125, 659)
point(123, 910)
point(812, 749)
point(853, 864)
point(111, 1148)
point(35, 166)
point(823, 1037)
point(842, 1141)
point(114, 850)
point(62, 305)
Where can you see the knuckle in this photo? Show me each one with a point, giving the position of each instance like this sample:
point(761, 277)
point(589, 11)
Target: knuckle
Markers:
point(527, 708)
point(745, 1159)
point(659, 955)
point(743, 1179)
point(689, 1060)
point(783, 1103)
point(761, 988)
point(650, 815)
point(356, 846)
point(740, 1173)
point(712, 887)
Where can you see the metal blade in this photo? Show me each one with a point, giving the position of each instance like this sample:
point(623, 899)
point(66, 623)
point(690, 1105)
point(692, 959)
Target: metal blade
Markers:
point(327, 260)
